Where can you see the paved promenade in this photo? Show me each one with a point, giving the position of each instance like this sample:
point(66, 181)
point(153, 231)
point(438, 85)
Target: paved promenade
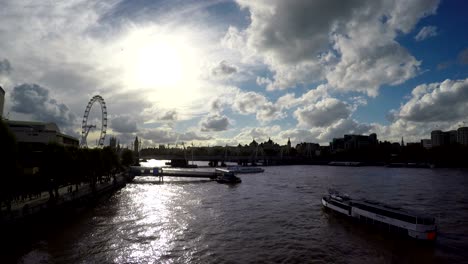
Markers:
point(28, 206)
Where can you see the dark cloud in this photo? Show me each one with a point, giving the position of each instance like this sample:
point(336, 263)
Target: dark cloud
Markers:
point(34, 100)
point(123, 124)
point(224, 69)
point(351, 44)
point(72, 77)
point(214, 123)
point(5, 67)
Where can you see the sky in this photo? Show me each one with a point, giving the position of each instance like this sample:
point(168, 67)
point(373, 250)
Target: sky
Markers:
point(227, 72)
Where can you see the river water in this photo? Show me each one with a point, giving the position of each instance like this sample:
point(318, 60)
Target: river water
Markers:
point(275, 216)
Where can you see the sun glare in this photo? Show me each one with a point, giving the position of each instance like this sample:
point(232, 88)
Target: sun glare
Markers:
point(166, 65)
point(163, 64)
point(158, 64)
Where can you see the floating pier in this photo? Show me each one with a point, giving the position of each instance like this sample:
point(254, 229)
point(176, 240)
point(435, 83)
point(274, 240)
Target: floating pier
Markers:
point(136, 171)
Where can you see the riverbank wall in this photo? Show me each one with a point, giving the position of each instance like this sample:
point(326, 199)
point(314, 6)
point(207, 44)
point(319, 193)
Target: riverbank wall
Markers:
point(42, 208)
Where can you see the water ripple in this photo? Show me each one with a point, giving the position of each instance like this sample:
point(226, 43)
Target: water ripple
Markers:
point(271, 217)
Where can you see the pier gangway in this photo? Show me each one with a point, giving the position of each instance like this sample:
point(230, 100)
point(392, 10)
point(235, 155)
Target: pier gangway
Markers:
point(137, 171)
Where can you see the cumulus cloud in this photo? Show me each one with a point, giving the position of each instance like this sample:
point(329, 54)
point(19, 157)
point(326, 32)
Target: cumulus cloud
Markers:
point(368, 62)
point(166, 135)
point(431, 106)
point(445, 101)
point(259, 134)
point(255, 103)
point(247, 102)
point(81, 48)
point(342, 127)
point(224, 69)
point(426, 32)
point(170, 115)
point(124, 124)
point(289, 100)
point(214, 123)
point(323, 113)
point(269, 112)
point(299, 135)
point(34, 100)
point(5, 67)
point(351, 45)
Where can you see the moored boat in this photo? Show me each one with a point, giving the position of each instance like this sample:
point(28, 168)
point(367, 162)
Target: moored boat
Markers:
point(226, 176)
point(242, 169)
point(391, 218)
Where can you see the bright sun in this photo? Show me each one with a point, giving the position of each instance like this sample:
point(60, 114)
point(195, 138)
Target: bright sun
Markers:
point(153, 58)
point(158, 64)
point(164, 65)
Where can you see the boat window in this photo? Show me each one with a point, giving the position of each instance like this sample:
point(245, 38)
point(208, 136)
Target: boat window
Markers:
point(339, 205)
point(402, 217)
point(426, 220)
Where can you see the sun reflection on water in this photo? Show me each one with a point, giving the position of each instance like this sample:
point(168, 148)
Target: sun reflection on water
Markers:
point(157, 221)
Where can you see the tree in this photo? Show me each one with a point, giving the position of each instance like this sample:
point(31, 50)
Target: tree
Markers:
point(8, 164)
point(127, 158)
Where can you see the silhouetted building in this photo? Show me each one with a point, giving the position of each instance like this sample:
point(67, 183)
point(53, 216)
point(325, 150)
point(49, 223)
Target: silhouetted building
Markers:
point(253, 144)
point(413, 144)
point(462, 136)
point(308, 149)
point(437, 138)
point(287, 148)
point(349, 142)
point(113, 143)
point(40, 132)
point(2, 101)
point(426, 143)
point(136, 145)
point(337, 144)
point(269, 147)
point(441, 138)
point(451, 136)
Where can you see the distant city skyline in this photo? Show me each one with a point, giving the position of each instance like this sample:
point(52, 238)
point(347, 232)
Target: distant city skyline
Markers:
point(226, 72)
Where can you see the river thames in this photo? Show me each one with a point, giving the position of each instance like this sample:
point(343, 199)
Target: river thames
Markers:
point(275, 216)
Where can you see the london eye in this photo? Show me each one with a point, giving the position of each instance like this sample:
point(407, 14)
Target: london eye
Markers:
point(87, 127)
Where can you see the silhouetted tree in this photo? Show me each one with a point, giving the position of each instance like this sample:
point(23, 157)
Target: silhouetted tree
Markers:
point(9, 165)
point(127, 158)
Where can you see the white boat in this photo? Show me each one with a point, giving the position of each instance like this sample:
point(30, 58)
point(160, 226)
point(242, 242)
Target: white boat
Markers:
point(242, 169)
point(226, 176)
point(387, 217)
